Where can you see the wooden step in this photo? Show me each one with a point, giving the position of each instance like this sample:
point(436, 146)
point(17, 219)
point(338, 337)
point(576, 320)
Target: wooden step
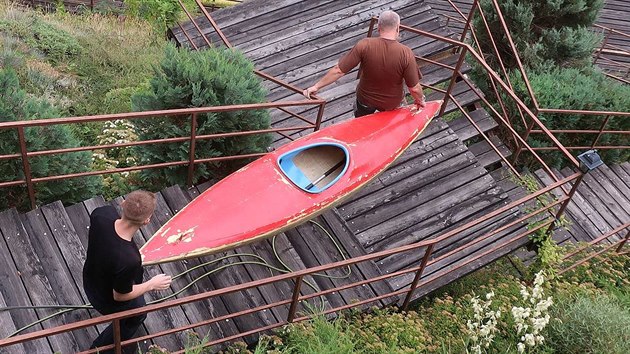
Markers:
point(465, 130)
point(486, 155)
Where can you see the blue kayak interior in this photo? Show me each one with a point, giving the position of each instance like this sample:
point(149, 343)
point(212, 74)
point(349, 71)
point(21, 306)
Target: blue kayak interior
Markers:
point(316, 167)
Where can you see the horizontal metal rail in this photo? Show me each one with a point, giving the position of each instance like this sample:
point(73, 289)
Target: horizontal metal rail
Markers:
point(296, 276)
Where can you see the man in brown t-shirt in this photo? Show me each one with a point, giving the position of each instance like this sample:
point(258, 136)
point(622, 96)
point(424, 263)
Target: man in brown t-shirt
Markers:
point(385, 63)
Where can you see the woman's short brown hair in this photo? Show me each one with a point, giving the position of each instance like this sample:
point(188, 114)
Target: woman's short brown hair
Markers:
point(138, 206)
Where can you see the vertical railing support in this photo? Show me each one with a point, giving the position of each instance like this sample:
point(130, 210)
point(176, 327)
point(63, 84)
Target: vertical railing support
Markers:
point(601, 130)
point(26, 167)
point(416, 279)
point(604, 43)
point(117, 346)
point(471, 14)
point(625, 240)
point(451, 85)
point(295, 298)
point(564, 205)
point(193, 143)
point(519, 148)
point(320, 115)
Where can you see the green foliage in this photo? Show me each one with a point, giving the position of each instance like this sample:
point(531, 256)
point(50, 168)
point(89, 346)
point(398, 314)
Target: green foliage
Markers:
point(550, 32)
point(567, 88)
point(385, 331)
point(161, 13)
point(83, 64)
point(15, 105)
point(51, 41)
point(590, 325)
point(317, 336)
point(187, 79)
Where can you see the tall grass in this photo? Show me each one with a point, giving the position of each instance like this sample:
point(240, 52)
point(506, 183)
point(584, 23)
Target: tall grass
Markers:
point(114, 58)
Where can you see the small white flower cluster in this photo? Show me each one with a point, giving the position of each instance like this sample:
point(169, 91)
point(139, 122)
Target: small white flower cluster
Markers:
point(115, 132)
point(530, 320)
point(481, 331)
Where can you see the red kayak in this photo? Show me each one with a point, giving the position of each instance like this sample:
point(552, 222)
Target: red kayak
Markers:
point(288, 186)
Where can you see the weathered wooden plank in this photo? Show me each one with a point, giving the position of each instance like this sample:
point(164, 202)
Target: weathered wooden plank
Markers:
point(486, 155)
point(321, 51)
point(13, 293)
point(581, 220)
point(622, 174)
point(291, 260)
point(176, 200)
point(271, 292)
point(465, 130)
point(324, 246)
point(60, 276)
point(424, 172)
point(603, 196)
point(240, 300)
point(170, 201)
point(37, 286)
point(466, 211)
point(231, 16)
point(448, 264)
point(80, 219)
point(423, 151)
point(402, 213)
point(353, 248)
point(302, 248)
point(619, 188)
point(351, 15)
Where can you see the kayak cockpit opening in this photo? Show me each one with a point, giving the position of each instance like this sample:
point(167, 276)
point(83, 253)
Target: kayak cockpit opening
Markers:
point(316, 167)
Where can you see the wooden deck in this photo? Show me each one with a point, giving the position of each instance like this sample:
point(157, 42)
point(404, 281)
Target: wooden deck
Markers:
point(436, 186)
point(600, 205)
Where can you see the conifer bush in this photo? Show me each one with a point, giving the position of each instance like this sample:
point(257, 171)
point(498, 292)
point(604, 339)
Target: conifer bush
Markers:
point(567, 88)
point(546, 33)
point(16, 105)
point(185, 79)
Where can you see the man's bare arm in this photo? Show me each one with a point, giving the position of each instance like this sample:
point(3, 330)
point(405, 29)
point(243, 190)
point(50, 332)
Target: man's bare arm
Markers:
point(418, 95)
point(158, 282)
point(331, 76)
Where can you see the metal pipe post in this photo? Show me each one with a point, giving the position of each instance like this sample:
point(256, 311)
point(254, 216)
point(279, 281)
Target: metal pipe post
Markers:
point(416, 279)
point(193, 143)
point(294, 301)
point(458, 67)
point(26, 167)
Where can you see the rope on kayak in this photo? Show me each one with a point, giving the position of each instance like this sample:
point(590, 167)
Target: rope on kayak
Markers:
point(258, 261)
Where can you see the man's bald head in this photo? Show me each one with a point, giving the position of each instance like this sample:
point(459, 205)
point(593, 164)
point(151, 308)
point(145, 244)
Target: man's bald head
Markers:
point(388, 21)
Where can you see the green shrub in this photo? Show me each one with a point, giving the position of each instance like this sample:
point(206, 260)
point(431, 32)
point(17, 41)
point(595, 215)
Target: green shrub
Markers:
point(317, 336)
point(200, 79)
point(567, 88)
point(386, 331)
point(161, 13)
point(590, 325)
point(53, 42)
point(545, 33)
point(16, 105)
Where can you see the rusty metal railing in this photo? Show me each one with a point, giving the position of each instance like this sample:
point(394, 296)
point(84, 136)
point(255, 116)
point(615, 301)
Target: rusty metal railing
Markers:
point(25, 155)
point(537, 109)
point(425, 271)
point(615, 239)
point(429, 266)
point(622, 69)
